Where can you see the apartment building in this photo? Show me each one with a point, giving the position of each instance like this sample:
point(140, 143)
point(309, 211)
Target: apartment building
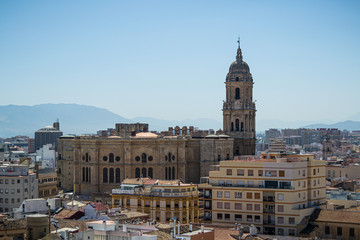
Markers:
point(17, 183)
point(275, 192)
point(161, 199)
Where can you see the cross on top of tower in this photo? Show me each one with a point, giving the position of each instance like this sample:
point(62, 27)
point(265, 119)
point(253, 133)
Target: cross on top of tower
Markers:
point(239, 56)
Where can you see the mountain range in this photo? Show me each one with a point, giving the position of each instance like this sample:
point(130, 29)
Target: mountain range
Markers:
point(83, 119)
point(79, 119)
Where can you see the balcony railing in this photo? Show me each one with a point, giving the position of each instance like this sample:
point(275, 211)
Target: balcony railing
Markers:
point(269, 199)
point(266, 222)
point(252, 186)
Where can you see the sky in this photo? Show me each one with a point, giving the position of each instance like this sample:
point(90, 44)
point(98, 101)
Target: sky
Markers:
point(169, 59)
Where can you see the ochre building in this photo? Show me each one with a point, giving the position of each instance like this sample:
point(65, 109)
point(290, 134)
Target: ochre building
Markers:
point(161, 199)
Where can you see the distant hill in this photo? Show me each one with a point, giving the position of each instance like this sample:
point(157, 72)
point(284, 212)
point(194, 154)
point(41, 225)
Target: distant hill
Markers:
point(78, 119)
point(348, 125)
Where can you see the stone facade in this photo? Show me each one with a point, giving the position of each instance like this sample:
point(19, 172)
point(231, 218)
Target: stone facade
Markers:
point(239, 108)
point(93, 165)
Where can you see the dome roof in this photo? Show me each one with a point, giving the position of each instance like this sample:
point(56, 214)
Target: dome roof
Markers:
point(48, 129)
point(239, 66)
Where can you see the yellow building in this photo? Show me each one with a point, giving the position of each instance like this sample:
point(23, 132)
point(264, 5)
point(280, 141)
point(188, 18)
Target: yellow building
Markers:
point(47, 178)
point(275, 193)
point(161, 199)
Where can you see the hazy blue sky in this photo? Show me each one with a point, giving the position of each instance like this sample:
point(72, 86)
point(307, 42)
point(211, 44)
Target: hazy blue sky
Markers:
point(169, 59)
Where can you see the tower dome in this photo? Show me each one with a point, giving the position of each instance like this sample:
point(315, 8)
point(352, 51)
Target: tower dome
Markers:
point(239, 70)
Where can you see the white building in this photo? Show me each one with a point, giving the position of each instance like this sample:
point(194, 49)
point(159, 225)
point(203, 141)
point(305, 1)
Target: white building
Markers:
point(32, 206)
point(47, 156)
point(17, 183)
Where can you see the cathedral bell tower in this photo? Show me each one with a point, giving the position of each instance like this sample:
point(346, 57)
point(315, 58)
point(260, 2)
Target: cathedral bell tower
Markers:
point(239, 108)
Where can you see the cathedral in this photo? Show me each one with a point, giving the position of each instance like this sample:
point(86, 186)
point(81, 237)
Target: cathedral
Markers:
point(94, 165)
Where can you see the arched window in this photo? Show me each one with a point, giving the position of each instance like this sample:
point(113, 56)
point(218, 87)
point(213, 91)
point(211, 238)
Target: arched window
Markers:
point(83, 174)
point(150, 173)
point(232, 126)
point(169, 157)
point(173, 172)
point(111, 175)
point(105, 175)
point(87, 157)
point(242, 126)
point(143, 172)
point(111, 157)
point(169, 172)
point(143, 157)
point(87, 174)
point(117, 178)
point(237, 79)
point(237, 93)
point(137, 172)
point(166, 175)
point(237, 124)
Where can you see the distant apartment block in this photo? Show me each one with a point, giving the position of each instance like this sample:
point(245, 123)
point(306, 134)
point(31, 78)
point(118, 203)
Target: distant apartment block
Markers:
point(275, 193)
point(17, 184)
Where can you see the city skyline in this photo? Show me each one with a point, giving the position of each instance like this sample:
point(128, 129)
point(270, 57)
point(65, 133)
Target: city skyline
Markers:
point(169, 60)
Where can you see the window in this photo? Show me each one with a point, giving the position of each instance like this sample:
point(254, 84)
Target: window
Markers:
point(150, 173)
point(111, 174)
point(240, 183)
point(238, 206)
point(228, 183)
point(143, 157)
point(249, 207)
point(257, 218)
point(227, 216)
point(143, 172)
point(221, 182)
point(227, 194)
point(250, 183)
point(280, 208)
point(117, 178)
point(220, 194)
point(280, 231)
point(270, 173)
point(303, 172)
point(240, 172)
point(351, 232)
point(105, 158)
point(219, 216)
point(291, 220)
point(238, 217)
point(291, 232)
point(281, 173)
point(228, 171)
point(339, 231)
point(237, 93)
point(314, 183)
point(249, 195)
point(280, 219)
point(327, 230)
point(257, 207)
point(260, 172)
point(227, 205)
point(137, 172)
point(280, 196)
point(219, 205)
point(257, 195)
point(249, 218)
point(250, 172)
point(238, 194)
point(314, 171)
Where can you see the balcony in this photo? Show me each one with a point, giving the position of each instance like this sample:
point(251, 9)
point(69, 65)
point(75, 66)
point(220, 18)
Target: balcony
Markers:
point(252, 186)
point(268, 199)
point(267, 222)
